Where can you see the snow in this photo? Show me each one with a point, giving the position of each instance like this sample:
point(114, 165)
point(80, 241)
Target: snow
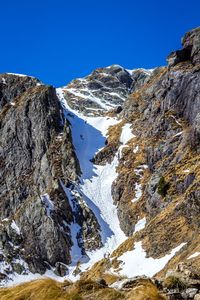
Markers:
point(194, 255)
point(186, 171)
point(177, 122)
point(49, 206)
point(15, 227)
point(89, 136)
point(136, 263)
point(147, 71)
point(179, 133)
point(136, 149)
point(126, 134)
point(75, 252)
point(140, 225)
point(138, 192)
point(20, 75)
point(138, 186)
point(89, 95)
point(3, 80)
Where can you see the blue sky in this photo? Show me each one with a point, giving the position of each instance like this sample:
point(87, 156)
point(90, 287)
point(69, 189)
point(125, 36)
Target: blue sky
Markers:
point(59, 40)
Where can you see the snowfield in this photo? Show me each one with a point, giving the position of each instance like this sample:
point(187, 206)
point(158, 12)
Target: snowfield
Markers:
point(89, 136)
point(136, 263)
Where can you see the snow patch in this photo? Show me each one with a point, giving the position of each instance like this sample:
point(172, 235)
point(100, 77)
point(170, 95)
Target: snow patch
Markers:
point(138, 192)
point(136, 263)
point(15, 227)
point(147, 71)
point(89, 136)
point(140, 225)
point(126, 134)
point(20, 75)
point(49, 206)
point(136, 149)
point(3, 80)
point(194, 255)
point(138, 186)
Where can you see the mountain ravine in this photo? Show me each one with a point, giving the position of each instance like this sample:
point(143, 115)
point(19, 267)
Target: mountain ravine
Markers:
point(100, 179)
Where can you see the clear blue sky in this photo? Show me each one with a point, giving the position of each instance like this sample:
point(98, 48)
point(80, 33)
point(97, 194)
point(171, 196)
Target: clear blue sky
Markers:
point(59, 40)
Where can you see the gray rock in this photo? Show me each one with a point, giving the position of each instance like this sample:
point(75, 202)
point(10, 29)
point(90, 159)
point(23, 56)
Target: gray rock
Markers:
point(18, 268)
point(36, 155)
point(191, 292)
point(61, 269)
point(110, 85)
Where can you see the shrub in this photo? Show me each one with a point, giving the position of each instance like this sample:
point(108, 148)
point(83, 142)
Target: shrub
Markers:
point(173, 282)
point(162, 187)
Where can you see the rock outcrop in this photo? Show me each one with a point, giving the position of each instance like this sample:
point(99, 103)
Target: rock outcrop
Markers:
point(104, 89)
point(37, 159)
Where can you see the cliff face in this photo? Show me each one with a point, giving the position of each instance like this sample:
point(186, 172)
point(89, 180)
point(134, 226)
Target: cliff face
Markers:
point(37, 157)
point(108, 163)
point(164, 155)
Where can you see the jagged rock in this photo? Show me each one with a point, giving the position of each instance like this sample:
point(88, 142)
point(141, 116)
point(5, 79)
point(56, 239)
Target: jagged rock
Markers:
point(101, 282)
point(192, 40)
point(12, 86)
point(2, 276)
point(18, 268)
point(61, 269)
point(190, 51)
point(36, 153)
point(174, 296)
point(179, 56)
point(77, 271)
point(89, 235)
point(130, 283)
point(191, 292)
point(104, 89)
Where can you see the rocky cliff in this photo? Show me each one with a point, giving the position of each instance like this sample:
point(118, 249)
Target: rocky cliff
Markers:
point(109, 164)
point(37, 158)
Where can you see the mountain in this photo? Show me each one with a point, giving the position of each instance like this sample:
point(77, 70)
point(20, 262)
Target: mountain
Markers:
point(100, 178)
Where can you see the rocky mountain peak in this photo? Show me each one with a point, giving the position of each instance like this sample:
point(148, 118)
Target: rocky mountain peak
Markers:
point(104, 89)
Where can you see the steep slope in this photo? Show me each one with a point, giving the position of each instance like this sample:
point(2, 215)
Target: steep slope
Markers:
point(37, 162)
point(162, 162)
point(101, 178)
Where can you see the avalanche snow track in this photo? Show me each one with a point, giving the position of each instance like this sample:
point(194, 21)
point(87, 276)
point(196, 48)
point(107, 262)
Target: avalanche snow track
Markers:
point(89, 135)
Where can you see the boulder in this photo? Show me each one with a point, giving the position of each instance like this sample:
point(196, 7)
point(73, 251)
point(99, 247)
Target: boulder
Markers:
point(61, 269)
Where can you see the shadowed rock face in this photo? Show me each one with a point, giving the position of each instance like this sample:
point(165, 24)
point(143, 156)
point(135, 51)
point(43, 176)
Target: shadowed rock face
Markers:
point(190, 50)
point(36, 155)
point(12, 85)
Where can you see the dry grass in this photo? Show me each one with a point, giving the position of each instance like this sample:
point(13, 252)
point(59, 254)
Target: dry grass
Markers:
point(36, 290)
point(146, 291)
point(48, 289)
